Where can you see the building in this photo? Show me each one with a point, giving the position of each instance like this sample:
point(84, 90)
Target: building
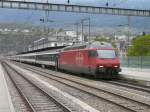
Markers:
point(56, 39)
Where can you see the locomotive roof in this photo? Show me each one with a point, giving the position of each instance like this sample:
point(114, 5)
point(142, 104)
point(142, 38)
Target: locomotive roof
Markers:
point(95, 44)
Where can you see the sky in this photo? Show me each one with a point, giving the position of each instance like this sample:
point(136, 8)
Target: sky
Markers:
point(66, 19)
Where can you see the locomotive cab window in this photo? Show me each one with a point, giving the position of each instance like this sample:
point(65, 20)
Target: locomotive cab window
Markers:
point(107, 54)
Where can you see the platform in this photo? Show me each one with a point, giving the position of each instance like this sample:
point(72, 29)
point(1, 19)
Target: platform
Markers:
point(5, 98)
point(136, 74)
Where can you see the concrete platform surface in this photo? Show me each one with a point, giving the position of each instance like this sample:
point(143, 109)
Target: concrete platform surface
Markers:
point(5, 99)
point(135, 73)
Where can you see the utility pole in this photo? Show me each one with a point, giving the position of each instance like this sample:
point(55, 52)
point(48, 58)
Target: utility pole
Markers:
point(46, 18)
point(82, 21)
point(128, 40)
point(77, 30)
point(89, 29)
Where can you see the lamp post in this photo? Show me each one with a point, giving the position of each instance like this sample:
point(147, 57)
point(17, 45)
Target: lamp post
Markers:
point(82, 22)
point(46, 20)
point(77, 27)
point(128, 32)
point(89, 29)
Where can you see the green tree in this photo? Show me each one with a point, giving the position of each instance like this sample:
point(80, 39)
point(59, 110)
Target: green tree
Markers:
point(140, 46)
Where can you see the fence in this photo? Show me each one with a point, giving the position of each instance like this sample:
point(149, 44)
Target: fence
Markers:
point(135, 61)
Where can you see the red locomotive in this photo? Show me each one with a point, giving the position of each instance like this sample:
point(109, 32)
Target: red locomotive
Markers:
point(97, 58)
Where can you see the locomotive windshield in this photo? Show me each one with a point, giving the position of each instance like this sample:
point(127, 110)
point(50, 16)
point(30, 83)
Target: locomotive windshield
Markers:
point(107, 54)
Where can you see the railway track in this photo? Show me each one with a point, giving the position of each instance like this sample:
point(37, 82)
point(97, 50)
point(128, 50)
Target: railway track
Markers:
point(130, 85)
point(35, 98)
point(119, 100)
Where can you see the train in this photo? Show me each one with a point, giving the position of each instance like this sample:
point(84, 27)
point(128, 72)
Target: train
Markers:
point(98, 59)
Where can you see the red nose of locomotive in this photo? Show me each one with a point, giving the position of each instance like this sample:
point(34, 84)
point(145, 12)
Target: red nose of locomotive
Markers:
point(108, 63)
point(107, 60)
point(104, 65)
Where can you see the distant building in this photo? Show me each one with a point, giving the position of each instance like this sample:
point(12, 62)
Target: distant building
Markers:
point(57, 39)
point(25, 31)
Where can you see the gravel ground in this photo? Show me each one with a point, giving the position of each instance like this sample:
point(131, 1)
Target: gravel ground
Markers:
point(93, 101)
point(101, 105)
point(62, 97)
point(146, 94)
point(17, 100)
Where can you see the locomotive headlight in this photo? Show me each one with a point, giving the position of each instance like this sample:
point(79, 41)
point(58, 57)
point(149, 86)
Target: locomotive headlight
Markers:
point(115, 66)
point(101, 66)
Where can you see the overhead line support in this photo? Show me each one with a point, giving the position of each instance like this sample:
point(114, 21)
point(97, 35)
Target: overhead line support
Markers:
point(73, 8)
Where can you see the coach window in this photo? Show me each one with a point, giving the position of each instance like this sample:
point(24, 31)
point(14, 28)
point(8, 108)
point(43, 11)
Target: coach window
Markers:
point(46, 57)
point(50, 57)
point(38, 57)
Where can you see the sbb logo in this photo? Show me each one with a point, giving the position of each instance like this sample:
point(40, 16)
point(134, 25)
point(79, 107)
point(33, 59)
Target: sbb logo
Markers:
point(79, 58)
